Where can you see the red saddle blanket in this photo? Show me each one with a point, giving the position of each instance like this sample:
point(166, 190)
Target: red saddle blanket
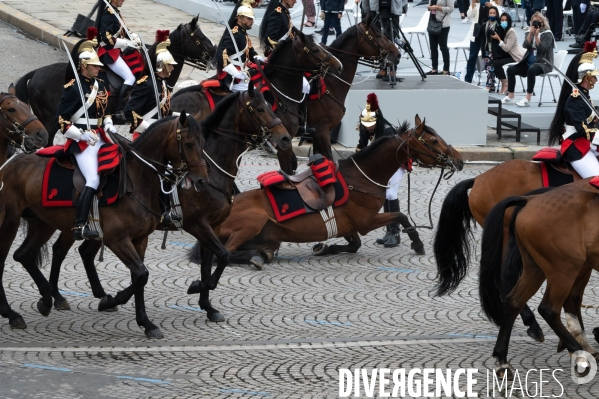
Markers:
point(287, 204)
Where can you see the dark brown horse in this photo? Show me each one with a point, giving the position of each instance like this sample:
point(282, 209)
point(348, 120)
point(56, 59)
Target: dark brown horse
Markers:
point(252, 226)
point(42, 88)
point(554, 236)
point(126, 224)
point(242, 121)
point(284, 71)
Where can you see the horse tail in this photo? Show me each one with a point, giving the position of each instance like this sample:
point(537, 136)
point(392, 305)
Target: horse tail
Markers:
point(21, 87)
point(490, 274)
point(452, 240)
point(194, 254)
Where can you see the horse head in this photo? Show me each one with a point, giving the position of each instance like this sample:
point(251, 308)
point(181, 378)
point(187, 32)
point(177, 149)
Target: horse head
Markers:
point(18, 124)
point(189, 43)
point(263, 118)
point(310, 54)
point(426, 147)
point(373, 43)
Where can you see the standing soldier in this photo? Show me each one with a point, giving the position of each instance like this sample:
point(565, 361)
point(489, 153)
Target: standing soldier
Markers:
point(82, 142)
point(142, 109)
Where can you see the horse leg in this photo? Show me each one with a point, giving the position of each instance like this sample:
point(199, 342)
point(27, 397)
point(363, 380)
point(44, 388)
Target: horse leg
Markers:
point(128, 253)
point(29, 255)
point(59, 253)
point(417, 244)
point(88, 251)
point(353, 244)
point(7, 236)
point(321, 142)
point(212, 313)
point(202, 231)
point(534, 330)
point(383, 219)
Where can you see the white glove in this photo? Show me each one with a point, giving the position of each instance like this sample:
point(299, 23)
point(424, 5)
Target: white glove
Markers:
point(583, 8)
point(73, 133)
point(142, 127)
point(595, 139)
point(305, 86)
point(259, 58)
point(231, 70)
point(135, 37)
point(125, 44)
point(241, 76)
point(89, 137)
point(110, 129)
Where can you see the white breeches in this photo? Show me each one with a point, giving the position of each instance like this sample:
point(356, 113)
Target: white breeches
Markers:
point(121, 68)
point(306, 85)
point(588, 165)
point(87, 160)
point(394, 183)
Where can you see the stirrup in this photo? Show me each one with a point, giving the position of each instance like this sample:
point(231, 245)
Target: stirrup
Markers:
point(84, 233)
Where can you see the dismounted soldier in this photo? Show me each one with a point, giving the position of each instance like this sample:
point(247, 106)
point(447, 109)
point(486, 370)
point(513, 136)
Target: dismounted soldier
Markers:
point(113, 41)
point(373, 126)
point(142, 109)
point(231, 61)
point(82, 142)
point(578, 138)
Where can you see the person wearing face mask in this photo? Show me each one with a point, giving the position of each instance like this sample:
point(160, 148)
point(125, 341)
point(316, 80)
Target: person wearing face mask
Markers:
point(490, 47)
point(512, 51)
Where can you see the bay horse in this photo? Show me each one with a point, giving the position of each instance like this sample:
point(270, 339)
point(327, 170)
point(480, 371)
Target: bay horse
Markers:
point(252, 227)
point(42, 88)
point(126, 224)
point(364, 40)
point(240, 122)
point(553, 236)
point(283, 73)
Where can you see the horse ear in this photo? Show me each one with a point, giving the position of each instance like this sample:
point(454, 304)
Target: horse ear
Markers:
point(417, 121)
point(251, 90)
point(183, 118)
point(194, 21)
point(198, 116)
point(368, 20)
point(12, 90)
point(302, 36)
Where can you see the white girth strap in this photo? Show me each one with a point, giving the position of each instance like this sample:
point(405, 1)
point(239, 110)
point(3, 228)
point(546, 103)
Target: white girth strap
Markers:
point(328, 216)
point(88, 103)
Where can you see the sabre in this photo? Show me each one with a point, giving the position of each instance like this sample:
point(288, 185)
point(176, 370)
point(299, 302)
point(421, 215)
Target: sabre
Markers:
point(78, 84)
point(145, 51)
point(586, 100)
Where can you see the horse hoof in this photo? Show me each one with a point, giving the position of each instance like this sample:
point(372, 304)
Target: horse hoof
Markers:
point(505, 370)
point(596, 334)
point(418, 248)
point(154, 333)
point(267, 254)
point(537, 334)
point(215, 316)
point(113, 309)
point(258, 262)
point(61, 304)
point(195, 287)
point(18, 323)
point(319, 249)
point(104, 304)
point(43, 309)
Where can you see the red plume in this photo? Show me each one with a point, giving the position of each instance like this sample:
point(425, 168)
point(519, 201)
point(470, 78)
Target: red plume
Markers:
point(162, 35)
point(256, 3)
point(589, 47)
point(373, 101)
point(92, 33)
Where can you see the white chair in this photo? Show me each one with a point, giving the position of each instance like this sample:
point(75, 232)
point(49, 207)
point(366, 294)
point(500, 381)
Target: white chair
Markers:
point(567, 14)
point(558, 62)
point(352, 8)
point(463, 45)
point(419, 30)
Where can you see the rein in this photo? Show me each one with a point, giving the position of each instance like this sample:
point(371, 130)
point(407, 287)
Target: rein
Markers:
point(13, 127)
point(202, 63)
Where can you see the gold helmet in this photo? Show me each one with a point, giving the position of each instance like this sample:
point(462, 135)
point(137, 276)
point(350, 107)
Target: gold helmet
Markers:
point(586, 66)
point(246, 9)
point(369, 114)
point(163, 56)
point(87, 50)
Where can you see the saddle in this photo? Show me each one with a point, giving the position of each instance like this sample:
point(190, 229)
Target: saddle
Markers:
point(555, 171)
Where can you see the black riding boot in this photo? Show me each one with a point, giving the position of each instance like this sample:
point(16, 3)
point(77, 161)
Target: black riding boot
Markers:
point(118, 117)
point(165, 206)
point(394, 239)
point(81, 231)
point(304, 132)
point(388, 233)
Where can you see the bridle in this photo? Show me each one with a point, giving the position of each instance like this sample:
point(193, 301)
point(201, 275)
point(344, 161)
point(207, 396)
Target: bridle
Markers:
point(202, 63)
point(14, 128)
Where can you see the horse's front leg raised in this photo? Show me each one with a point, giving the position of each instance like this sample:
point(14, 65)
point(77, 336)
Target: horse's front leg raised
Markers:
point(353, 244)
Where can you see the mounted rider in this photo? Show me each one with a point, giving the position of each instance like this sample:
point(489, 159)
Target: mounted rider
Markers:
point(233, 58)
point(575, 122)
point(373, 126)
point(113, 40)
point(276, 27)
point(142, 109)
point(82, 142)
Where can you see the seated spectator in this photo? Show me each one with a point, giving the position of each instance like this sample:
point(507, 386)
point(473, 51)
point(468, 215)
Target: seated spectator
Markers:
point(586, 30)
point(512, 52)
point(539, 44)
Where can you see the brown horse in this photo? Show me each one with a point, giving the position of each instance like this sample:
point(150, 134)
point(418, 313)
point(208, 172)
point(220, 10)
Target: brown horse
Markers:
point(126, 224)
point(252, 226)
point(284, 71)
point(363, 40)
point(240, 122)
point(553, 236)
point(42, 88)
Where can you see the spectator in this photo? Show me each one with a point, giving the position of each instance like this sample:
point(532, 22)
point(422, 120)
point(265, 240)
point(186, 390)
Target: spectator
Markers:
point(463, 7)
point(531, 7)
point(333, 11)
point(490, 48)
point(512, 52)
point(555, 16)
point(586, 30)
point(477, 14)
point(387, 20)
point(310, 12)
point(579, 12)
point(539, 44)
point(441, 11)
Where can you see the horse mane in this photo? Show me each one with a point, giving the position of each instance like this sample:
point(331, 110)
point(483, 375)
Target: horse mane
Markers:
point(187, 89)
point(348, 34)
point(372, 147)
point(279, 54)
point(216, 117)
point(148, 133)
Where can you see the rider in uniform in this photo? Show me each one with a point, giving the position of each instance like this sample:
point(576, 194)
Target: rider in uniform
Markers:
point(578, 139)
point(113, 41)
point(142, 109)
point(373, 126)
point(231, 66)
point(82, 142)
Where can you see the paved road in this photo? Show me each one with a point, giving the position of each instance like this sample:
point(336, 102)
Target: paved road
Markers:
point(289, 328)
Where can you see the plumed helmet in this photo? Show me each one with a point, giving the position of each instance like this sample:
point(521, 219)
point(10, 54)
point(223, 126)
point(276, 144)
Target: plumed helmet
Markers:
point(87, 49)
point(586, 66)
point(246, 9)
point(369, 114)
point(163, 56)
